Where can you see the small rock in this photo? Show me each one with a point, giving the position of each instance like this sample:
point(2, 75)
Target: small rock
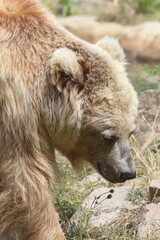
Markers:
point(119, 195)
point(104, 209)
point(154, 189)
point(149, 219)
point(92, 178)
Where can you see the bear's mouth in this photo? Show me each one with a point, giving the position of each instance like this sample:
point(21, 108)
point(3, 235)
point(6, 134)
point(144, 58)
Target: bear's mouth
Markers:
point(102, 170)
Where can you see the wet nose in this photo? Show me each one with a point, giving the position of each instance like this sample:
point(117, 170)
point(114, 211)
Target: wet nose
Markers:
point(127, 175)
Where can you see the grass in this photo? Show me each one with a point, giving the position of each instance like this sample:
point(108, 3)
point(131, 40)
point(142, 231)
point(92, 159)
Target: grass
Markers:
point(146, 6)
point(69, 193)
point(144, 75)
point(141, 85)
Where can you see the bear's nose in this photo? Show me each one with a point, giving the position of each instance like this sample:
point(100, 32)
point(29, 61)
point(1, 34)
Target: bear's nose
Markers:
point(127, 175)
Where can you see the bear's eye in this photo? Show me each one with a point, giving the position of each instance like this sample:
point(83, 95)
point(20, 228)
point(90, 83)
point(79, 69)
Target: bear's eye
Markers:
point(131, 133)
point(109, 137)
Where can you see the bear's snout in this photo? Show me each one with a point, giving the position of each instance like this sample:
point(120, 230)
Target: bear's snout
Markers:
point(127, 175)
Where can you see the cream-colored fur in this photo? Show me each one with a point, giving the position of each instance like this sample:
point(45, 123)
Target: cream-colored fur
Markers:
point(112, 46)
point(56, 92)
point(65, 60)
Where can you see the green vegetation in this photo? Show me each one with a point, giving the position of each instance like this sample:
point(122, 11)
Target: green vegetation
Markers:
point(66, 6)
point(141, 85)
point(50, 4)
point(63, 7)
point(69, 194)
point(146, 77)
point(127, 11)
point(152, 71)
point(146, 6)
point(138, 194)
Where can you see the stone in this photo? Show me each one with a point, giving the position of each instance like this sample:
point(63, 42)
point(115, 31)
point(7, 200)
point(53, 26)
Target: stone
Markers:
point(104, 209)
point(154, 189)
point(149, 218)
point(92, 178)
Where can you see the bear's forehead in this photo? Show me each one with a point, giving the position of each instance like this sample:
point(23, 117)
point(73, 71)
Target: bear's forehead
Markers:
point(114, 100)
point(119, 126)
point(103, 74)
point(116, 110)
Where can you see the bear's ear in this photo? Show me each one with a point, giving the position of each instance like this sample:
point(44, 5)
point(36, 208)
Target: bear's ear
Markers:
point(67, 69)
point(112, 46)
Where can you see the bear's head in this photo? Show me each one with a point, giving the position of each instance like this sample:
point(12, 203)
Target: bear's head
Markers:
point(107, 106)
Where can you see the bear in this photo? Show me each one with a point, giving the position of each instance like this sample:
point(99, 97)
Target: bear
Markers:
point(57, 92)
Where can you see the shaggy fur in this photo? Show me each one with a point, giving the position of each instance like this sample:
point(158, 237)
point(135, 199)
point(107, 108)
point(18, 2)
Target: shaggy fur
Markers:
point(56, 92)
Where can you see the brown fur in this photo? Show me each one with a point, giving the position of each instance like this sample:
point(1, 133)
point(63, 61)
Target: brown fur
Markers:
point(54, 89)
